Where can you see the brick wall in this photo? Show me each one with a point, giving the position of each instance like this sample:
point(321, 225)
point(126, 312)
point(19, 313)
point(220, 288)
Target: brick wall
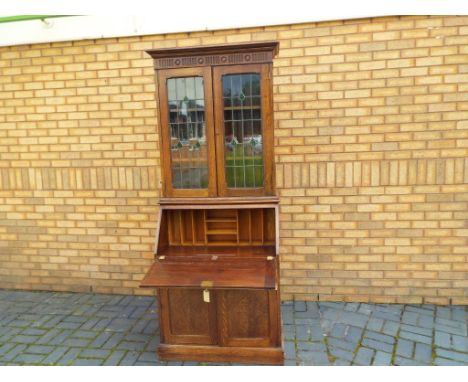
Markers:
point(371, 159)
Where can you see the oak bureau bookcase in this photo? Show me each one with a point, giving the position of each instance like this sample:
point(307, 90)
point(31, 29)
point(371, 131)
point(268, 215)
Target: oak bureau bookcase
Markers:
point(216, 267)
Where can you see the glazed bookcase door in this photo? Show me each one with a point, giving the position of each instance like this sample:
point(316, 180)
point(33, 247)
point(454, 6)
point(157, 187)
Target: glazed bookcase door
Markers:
point(244, 131)
point(187, 134)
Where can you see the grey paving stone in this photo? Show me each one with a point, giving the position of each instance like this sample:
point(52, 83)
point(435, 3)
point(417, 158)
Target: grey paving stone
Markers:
point(417, 330)
point(338, 330)
point(382, 359)
point(341, 344)
point(87, 362)
point(460, 343)
point(25, 339)
point(401, 361)
point(341, 354)
point(76, 342)
point(153, 343)
point(425, 310)
point(40, 349)
point(459, 313)
point(409, 318)
point(363, 357)
point(303, 332)
point(147, 357)
point(379, 337)
point(102, 324)
point(355, 319)
point(129, 359)
point(450, 329)
point(423, 352)
point(447, 362)
point(387, 316)
point(34, 332)
point(48, 336)
point(95, 327)
point(155, 363)
point(288, 318)
point(450, 322)
point(68, 357)
point(90, 323)
point(84, 334)
point(113, 340)
point(68, 325)
point(377, 345)
point(12, 353)
point(29, 359)
point(313, 358)
point(442, 339)
point(311, 346)
point(300, 306)
point(289, 332)
point(415, 337)
point(289, 350)
point(365, 309)
point(375, 324)
point(6, 347)
point(127, 345)
point(351, 306)
point(55, 355)
point(405, 348)
point(312, 306)
point(456, 356)
point(95, 353)
point(353, 334)
point(426, 322)
point(137, 337)
point(341, 362)
point(101, 339)
point(115, 358)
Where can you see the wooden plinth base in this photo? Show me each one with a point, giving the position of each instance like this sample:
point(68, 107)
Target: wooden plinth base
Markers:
point(264, 356)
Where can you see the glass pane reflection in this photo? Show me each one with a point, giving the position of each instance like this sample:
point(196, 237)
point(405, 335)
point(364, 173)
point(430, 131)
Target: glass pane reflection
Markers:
point(243, 130)
point(188, 132)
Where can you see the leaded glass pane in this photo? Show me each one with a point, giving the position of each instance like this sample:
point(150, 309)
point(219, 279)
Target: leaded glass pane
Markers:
point(243, 131)
point(188, 132)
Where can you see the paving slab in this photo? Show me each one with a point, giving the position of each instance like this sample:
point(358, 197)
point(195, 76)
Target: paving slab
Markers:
point(52, 328)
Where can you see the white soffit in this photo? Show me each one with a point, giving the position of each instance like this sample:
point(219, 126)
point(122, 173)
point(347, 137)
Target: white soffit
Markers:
point(172, 17)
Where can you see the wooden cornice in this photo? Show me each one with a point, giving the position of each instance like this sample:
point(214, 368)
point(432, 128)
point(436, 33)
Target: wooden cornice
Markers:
point(214, 55)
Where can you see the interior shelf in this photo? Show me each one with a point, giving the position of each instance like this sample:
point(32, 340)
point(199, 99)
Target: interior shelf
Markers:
point(222, 226)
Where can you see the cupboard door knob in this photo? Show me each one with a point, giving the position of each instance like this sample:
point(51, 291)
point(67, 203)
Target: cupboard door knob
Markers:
point(206, 295)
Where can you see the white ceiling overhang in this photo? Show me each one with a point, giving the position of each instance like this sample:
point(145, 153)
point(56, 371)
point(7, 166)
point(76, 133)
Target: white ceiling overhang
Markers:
point(189, 16)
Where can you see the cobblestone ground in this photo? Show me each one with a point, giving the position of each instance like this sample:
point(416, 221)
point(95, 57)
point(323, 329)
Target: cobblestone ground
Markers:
point(45, 328)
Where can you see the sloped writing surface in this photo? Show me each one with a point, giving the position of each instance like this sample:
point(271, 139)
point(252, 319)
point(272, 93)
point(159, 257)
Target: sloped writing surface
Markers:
point(221, 273)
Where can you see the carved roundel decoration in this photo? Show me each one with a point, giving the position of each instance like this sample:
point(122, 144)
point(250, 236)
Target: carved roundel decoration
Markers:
point(260, 52)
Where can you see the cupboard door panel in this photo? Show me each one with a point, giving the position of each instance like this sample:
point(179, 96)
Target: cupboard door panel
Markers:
point(248, 318)
point(186, 318)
